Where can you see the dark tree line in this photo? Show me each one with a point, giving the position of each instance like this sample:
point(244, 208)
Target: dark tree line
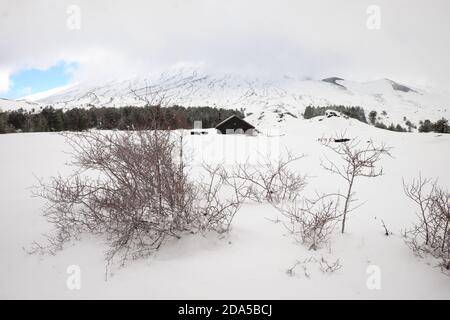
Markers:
point(373, 117)
point(350, 111)
point(391, 127)
point(440, 126)
point(49, 119)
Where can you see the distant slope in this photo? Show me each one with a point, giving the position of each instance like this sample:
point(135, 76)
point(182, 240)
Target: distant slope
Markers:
point(48, 93)
point(265, 102)
point(7, 104)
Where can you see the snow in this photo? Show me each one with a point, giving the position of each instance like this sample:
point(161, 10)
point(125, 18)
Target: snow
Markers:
point(7, 105)
point(251, 262)
point(269, 101)
point(45, 94)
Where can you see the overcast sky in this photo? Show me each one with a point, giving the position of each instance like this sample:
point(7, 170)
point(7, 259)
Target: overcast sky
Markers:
point(315, 39)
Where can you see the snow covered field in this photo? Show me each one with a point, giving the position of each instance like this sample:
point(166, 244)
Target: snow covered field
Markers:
point(252, 261)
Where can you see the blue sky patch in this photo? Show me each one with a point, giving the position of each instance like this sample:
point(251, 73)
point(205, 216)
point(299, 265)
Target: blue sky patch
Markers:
point(30, 81)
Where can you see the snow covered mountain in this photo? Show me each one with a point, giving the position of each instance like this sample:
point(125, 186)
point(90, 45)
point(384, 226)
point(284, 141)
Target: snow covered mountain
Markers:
point(264, 101)
point(7, 104)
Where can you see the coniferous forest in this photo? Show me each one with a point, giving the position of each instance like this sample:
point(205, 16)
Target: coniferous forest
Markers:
point(49, 119)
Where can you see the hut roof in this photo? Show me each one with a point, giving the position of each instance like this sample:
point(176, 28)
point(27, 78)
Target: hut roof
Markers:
point(232, 118)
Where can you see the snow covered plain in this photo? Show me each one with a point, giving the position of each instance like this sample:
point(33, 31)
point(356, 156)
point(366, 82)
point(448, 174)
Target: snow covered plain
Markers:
point(252, 261)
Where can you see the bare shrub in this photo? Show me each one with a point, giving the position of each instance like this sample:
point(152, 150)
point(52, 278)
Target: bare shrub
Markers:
point(386, 230)
point(291, 271)
point(329, 267)
point(133, 188)
point(312, 221)
point(271, 181)
point(358, 161)
point(217, 213)
point(324, 265)
point(431, 235)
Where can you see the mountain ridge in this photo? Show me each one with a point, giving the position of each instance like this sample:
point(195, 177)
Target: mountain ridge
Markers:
point(265, 101)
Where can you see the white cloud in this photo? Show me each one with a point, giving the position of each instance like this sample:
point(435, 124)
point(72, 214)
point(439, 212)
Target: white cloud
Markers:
point(301, 38)
point(4, 82)
point(25, 91)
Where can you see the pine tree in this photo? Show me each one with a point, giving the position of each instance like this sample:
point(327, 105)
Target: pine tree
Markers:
point(373, 117)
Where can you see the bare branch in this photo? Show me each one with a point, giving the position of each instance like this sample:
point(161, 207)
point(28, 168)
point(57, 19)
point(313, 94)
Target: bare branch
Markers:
point(357, 162)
